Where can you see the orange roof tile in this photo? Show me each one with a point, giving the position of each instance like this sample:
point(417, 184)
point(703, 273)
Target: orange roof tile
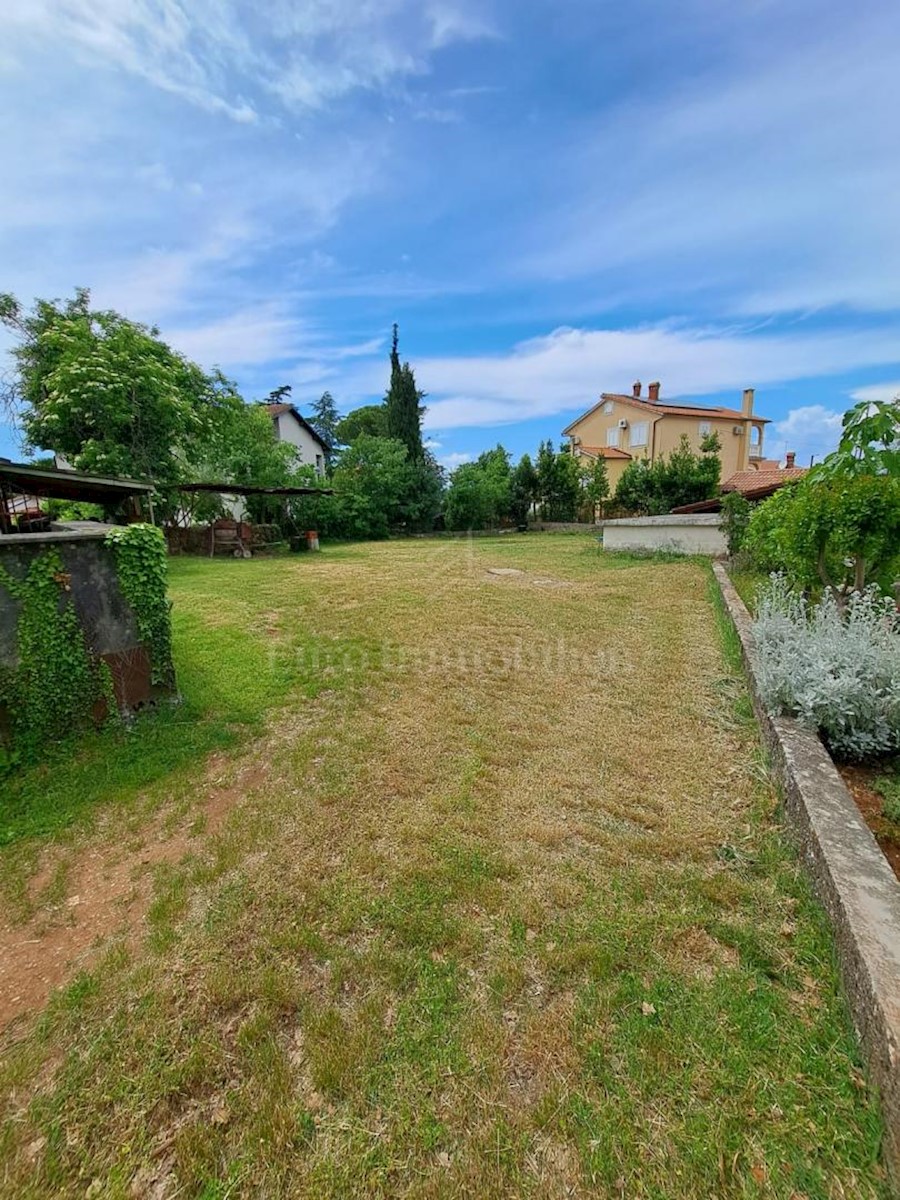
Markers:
point(747, 482)
point(661, 409)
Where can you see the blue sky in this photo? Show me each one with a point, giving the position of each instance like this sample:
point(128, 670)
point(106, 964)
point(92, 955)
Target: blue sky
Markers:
point(551, 198)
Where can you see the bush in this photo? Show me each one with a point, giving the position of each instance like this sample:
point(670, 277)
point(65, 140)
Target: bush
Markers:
point(682, 478)
point(836, 671)
point(736, 511)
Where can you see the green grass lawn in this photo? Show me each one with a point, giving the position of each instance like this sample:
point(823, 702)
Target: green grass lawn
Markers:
point(479, 891)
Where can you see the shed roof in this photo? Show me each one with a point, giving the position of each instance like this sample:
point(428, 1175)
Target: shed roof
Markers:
point(68, 485)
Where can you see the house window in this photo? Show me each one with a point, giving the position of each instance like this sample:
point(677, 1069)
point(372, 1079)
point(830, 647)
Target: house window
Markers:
point(639, 433)
point(612, 436)
point(320, 464)
point(608, 406)
point(705, 429)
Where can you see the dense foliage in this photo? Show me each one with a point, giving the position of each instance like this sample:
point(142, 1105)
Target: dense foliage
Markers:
point(57, 684)
point(596, 487)
point(370, 419)
point(480, 493)
point(736, 511)
point(377, 491)
point(837, 671)
point(839, 528)
point(832, 532)
point(142, 571)
point(654, 488)
point(489, 493)
point(560, 481)
point(107, 393)
point(870, 441)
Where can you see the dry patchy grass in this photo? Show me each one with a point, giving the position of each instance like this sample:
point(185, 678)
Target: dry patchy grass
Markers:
point(503, 913)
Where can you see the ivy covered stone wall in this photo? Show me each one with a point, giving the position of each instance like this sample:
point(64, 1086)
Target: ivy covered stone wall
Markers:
point(84, 630)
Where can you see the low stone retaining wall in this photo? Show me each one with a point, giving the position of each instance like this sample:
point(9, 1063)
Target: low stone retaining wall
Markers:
point(852, 878)
point(701, 534)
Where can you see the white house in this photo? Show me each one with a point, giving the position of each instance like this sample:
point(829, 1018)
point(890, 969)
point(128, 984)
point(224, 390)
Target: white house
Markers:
point(291, 427)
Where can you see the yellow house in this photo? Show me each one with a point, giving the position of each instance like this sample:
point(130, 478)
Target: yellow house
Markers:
point(622, 428)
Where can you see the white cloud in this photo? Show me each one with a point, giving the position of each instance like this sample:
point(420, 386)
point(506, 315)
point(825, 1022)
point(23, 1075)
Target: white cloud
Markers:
point(877, 391)
point(214, 53)
point(565, 371)
point(812, 430)
point(456, 459)
point(172, 47)
point(245, 338)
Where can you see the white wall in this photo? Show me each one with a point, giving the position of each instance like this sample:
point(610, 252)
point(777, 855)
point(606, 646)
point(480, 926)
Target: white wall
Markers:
point(700, 534)
point(289, 429)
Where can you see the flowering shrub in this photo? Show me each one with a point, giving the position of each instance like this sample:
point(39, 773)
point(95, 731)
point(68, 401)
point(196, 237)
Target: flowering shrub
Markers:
point(837, 672)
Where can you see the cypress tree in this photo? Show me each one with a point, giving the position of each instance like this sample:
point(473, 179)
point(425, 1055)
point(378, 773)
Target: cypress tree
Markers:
point(404, 418)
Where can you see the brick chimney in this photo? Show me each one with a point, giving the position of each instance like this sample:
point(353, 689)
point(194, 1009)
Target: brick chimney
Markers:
point(747, 403)
point(636, 389)
point(653, 391)
point(789, 460)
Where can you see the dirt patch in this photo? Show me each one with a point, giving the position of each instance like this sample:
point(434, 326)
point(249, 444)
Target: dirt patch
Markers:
point(859, 782)
point(107, 892)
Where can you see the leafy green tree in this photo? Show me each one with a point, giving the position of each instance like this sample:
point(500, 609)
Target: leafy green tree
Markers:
point(371, 420)
point(839, 528)
point(870, 441)
point(681, 478)
point(837, 533)
point(596, 485)
point(325, 420)
point(373, 482)
point(108, 393)
point(523, 490)
point(479, 494)
point(559, 483)
point(280, 395)
point(403, 405)
point(546, 474)
point(736, 512)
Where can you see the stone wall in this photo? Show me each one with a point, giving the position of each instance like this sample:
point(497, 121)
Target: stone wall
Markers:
point(698, 534)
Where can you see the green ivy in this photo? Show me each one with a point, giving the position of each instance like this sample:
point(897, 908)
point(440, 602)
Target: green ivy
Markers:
point(57, 681)
point(141, 565)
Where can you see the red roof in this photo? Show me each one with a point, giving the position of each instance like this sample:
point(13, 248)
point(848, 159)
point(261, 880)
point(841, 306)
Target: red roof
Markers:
point(748, 482)
point(753, 485)
point(603, 452)
point(275, 410)
point(659, 409)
